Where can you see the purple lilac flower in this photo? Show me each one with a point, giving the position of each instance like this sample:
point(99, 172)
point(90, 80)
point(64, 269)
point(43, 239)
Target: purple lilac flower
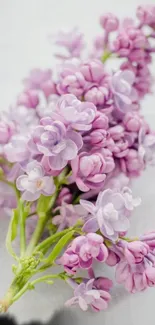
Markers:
point(16, 150)
point(109, 214)
point(136, 277)
point(68, 215)
point(35, 182)
point(65, 195)
point(7, 129)
point(7, 199)
point(29, 98)
point(37, 78)
point(82, 251)
point(134, 252)
point(93, 72)
point(89, 170)
point(147, 146)
point(85, 294)
point(124, 93)
point(133, 122)
point(47, 106)
point(79, 115)
point(52, 139)
point(109, 22)
point(24, 118)
point(132, 164)
point(102, 283)
point(71, 80)
point(146, 15)
point(72, 41)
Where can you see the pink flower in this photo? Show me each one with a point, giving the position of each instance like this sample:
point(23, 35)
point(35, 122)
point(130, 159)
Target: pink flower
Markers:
point(147, 146)
point(29, 98)
point(132, 163)
point(35, 182)
point(7, 129)
point(102, 283)
point(89, 170)
point(87, 295)
point(135, 251)
point(71, 80)
point(93, 71)
point(98, 95)
point(133, 122)
point(98, 138)
point(101, 121)
point(146, 15)
point(42, 80)
point(69, 215)
point(135, 278)
point(65, 195)
point(124, 93)
point(16, 150)
point(112, 258)
point(73, 41)
point(109, 22)
point(79, 115)
point(109, 214)
point(82, 251)
point(52, 139)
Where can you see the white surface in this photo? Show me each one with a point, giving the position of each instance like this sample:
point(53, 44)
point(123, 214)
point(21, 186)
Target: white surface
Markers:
point(24, 26)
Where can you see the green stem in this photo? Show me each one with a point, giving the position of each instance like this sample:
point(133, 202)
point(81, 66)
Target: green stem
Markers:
point(43, 218)
point(45, 278)
point(20, 293)
point(22, 228)
point(37, 234)
point(50, 240)
point(106, 55)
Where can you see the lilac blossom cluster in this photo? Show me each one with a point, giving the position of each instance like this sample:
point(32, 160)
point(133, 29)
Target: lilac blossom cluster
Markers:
point(80, 138)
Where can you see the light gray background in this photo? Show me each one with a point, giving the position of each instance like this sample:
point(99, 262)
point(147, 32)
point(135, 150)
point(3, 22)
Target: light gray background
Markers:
point(24, 27)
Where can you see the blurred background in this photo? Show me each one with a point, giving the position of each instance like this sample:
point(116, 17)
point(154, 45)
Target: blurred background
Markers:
point(25, 29)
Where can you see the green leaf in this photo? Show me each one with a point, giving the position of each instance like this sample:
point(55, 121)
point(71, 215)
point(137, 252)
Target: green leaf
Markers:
point(45, 203)
point(12, 232)
point(59, 246)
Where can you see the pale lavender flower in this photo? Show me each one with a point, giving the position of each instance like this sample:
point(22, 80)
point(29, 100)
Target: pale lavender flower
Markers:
point(146, 15)
point(16, 150)
point(7, 129)
point(147, 146)
point(82, 251)
point(89, 170)
point(65, 195)
point(132, 164)
point(71, 79)
point(98, 95)
point(72, 41)
point(68, 215)
point(47, 106)
point(93, 72)
point(24, 118)
point(52, 139)
point(37, 78)
point(134, 252)
point(79, 115)
point(35, 182)
point(29, 98)
point(109, 22)
point(109, 214)
point(85, 294)
point(123, 91)
point(7, 199)
point(135, 277)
